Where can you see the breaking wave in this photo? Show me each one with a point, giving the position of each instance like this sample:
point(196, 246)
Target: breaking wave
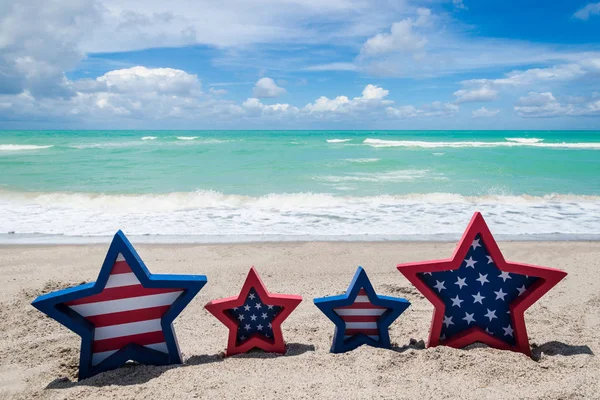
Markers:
point(516, 142)
point(207, 215)
point(22, 147)
point(338, 140)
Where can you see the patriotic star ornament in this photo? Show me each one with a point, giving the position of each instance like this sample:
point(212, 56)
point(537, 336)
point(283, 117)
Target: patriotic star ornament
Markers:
point(254, 317)
point(477, 295)
point(126, 314)
point(360, 315)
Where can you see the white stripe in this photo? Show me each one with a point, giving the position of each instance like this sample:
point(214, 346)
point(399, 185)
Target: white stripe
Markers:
point(97, 358)
point(159, 347)
point(131, 328)
point(374, 337)
point(133, 303)
point(361, 325)
point(362, 299)
point(359, 311)
point(119, 280)
point(120, 257)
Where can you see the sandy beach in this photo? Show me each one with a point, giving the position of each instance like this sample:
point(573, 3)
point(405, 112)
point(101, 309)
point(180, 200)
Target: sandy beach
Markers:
point(39, 357)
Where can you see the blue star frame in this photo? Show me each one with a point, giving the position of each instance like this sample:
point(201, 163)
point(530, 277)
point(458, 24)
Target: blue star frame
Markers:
point(360, 315)
point(127, 314)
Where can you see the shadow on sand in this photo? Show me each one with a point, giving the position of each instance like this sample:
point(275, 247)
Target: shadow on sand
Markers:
point(133, 373)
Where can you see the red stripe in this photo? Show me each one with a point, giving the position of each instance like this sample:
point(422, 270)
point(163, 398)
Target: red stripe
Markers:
point(122, 292)
point(360, 318)
point(124, 317)
point(360, 305)
point(365, 331)
point(120, 342)
point(362, 292)
point(120, 267)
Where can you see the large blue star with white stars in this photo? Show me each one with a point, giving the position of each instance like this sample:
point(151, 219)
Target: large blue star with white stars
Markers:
point(478, 294)
point(360, 315)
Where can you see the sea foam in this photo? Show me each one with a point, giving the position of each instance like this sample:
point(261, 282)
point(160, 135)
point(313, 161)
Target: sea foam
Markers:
point(338, 140)
point(207, 216)
point(22, 147)
point(516, 142)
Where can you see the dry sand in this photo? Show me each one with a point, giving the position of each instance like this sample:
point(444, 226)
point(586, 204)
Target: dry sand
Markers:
point(39, 357)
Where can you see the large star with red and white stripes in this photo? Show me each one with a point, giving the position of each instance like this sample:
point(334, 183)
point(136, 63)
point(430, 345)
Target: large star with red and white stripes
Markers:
point(126, 314)
point(477, 295)
point(360, 315)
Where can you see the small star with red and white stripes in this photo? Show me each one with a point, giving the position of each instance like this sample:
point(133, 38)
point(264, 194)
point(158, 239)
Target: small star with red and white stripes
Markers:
point(126, 314)
point(360, 315)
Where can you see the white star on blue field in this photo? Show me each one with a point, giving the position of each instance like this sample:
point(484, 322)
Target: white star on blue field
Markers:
point(477, 294)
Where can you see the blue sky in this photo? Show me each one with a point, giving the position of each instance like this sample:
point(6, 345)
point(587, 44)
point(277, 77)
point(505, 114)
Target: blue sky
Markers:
point(300, 64)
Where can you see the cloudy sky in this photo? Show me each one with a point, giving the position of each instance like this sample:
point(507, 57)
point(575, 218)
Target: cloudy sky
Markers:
point(299, 64)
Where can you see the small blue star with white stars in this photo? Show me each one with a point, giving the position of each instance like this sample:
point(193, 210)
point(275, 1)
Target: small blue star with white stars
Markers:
point(254, 318)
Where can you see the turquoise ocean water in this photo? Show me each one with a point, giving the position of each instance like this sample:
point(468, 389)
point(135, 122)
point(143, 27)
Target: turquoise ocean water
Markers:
point(286, 185)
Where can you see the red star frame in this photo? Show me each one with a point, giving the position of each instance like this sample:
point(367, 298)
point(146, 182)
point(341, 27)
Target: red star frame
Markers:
point(223, 310)
point(547, 278)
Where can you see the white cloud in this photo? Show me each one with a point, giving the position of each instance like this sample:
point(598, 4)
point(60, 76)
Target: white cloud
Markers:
point(586, 12)
point(142, 79)
point(39, 40)
point(372, 99)
point(487, 89)
point(235, 23)
point(539, 105)
point(266, 87)
point(401, 38)
point(256, 108)
point(337, 66)
point(136, 93)
point(484, 113)
point(558, 73)
point(438, 47)
point(483, 93)
point(459, 4)
point(435, 109)
point(217, 92)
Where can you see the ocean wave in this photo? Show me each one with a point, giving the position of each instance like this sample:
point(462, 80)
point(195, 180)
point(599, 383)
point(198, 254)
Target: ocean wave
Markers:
point(107, 145)
point(22, 147)
point(390, 176)
point(362, 160)
point(309, 215)
point(338, 140)
point(524, 140)
point(187, 137)
point(429, 145)
point(149, 138)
